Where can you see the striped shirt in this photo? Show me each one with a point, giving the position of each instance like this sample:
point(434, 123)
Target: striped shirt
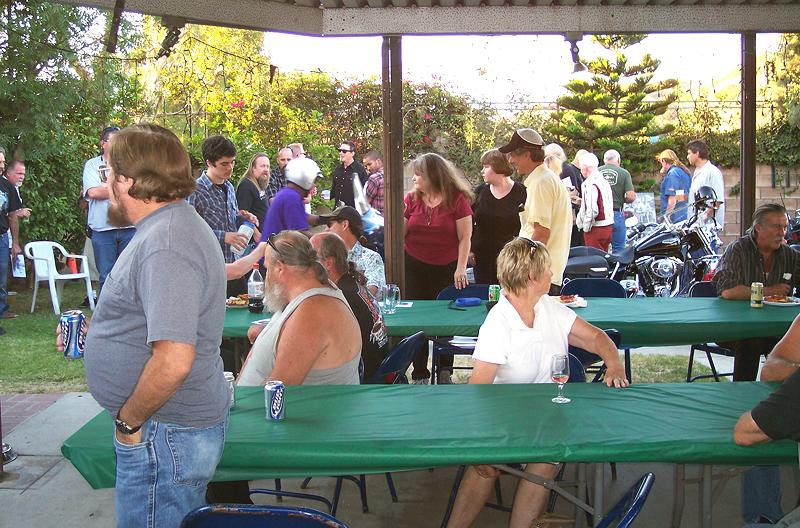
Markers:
point(742, 264)
point(277, 181)
point(216, 204)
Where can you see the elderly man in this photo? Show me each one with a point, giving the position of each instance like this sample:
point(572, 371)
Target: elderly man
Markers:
point(343, 175)
point(374, 189)
point(374, 339)
point(152, 352)
point(320, 341)
point(594, 217)
point(297, 150)
point(759, 256)
point(776, 418)
point(346, 222)
point(622, 190)
point(277, 178)
point(9, 226)
point(108, 241)
point(547, 217)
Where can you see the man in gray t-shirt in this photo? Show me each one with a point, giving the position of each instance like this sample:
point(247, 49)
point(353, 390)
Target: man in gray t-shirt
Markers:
point(152, 352)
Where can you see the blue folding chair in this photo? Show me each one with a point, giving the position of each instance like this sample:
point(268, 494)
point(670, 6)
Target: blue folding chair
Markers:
point(440, 344)
point(594, 288)
point(577, 374)
point(246, 516)
point(628, 507)
point(706, 289)
point(392, 369)
point(589, 359)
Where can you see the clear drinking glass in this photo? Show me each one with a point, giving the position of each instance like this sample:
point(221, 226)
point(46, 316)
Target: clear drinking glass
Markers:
point(390, 298)
point(559, 372)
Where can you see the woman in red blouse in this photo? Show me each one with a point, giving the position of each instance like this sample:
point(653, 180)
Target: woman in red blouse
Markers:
point(438, 228)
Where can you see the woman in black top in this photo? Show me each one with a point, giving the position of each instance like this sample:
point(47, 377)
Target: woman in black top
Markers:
point(498, 203)
point(251, 194)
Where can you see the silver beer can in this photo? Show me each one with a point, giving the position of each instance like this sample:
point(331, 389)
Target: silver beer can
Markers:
point(72, 335)
point(273, 400)
point(229, 377)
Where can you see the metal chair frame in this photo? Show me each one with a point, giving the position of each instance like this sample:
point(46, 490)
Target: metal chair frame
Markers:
point(249, 516)
point(706, 289)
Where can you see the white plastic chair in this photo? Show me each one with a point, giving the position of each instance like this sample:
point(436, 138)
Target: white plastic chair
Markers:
point(44, 265)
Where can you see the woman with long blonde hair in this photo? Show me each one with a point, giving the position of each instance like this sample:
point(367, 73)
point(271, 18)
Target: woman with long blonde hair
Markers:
point(438, 228)
point(674, 187)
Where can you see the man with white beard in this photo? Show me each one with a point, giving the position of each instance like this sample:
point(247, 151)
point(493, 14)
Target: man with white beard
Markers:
point(320, 340)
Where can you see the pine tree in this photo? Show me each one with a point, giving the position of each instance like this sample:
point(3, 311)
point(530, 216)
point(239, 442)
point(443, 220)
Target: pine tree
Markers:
point(617, 107)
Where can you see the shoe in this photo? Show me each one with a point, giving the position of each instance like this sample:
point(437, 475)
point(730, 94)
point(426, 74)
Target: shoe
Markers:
point(9, 315)
point(11, 293)
point(445, 378)
point(421, 381)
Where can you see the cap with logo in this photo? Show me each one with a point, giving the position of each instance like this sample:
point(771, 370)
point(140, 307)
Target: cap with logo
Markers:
point(523, 138)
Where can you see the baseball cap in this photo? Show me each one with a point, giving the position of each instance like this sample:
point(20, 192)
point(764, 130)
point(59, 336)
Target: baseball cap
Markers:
point(523, 138)
point(348, 213)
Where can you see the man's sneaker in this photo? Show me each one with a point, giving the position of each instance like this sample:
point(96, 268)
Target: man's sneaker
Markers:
point(11, 293)
point(421, 381)
point(445, 378)
point(9, 315)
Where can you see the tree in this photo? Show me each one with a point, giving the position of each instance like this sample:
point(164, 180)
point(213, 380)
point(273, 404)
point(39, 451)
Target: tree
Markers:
point(618, 107)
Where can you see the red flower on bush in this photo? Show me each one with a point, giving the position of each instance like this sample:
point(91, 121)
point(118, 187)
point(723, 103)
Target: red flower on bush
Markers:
point(427, 139)
point(427, 116)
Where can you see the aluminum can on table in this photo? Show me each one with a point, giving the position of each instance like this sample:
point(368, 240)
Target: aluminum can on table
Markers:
point(757, 295)
point(273, 400)
point(494, 293)
point(71, 334)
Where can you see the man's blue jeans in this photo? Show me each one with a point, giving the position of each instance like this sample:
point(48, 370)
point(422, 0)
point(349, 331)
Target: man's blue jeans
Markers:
point(761, 493)
point(107, 246)
point(165, 476)
point(5, 256)
point(618, 232)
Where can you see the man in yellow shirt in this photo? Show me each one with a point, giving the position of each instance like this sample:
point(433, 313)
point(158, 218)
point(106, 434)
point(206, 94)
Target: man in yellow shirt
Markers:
point(547, 216)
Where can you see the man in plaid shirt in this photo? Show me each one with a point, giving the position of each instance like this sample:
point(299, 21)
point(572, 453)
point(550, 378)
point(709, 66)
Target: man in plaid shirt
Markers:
point(215, 199)
point(373, 161)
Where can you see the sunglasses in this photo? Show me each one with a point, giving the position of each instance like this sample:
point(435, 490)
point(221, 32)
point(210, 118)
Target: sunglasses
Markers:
point(271, 242)
point(533, 245)
point(345, 150)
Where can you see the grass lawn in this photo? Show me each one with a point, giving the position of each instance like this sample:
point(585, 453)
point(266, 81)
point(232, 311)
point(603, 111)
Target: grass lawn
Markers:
point(30, 362)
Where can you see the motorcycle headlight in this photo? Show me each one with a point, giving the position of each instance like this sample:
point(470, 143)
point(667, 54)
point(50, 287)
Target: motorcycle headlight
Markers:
point(664, 268)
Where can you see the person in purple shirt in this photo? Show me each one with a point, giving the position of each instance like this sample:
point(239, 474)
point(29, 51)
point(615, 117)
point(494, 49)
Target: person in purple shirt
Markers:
point(287, 210)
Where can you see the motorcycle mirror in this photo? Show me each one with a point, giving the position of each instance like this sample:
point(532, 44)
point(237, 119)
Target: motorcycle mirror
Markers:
point(631, 221)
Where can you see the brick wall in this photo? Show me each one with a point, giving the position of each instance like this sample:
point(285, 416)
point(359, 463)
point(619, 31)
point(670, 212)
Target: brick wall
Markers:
point(765, 193)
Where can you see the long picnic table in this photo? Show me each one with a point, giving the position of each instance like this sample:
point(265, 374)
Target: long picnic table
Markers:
point(641, 321)
point(340, 430)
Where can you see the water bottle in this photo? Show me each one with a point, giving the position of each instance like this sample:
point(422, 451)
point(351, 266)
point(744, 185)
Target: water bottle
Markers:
point(255, 291)
point(247, 230)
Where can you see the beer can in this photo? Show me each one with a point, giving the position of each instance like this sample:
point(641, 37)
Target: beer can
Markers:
point(494, 293)
point(229, 377)
point(71, 334)
point(273, 400)
point(757, 295)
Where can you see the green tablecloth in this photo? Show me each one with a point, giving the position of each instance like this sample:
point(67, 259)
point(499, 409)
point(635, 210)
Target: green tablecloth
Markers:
point(642, 322)
point(335, 430)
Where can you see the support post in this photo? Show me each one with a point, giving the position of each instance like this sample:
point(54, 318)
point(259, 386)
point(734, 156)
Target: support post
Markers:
point(747, 164)
point(392, 94)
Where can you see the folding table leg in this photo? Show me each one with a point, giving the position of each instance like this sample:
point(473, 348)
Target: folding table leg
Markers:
point(705, 506)
point(678, 494)
point(599, 484)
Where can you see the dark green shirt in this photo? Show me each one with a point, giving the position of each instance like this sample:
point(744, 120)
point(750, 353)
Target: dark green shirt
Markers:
point(620, 181)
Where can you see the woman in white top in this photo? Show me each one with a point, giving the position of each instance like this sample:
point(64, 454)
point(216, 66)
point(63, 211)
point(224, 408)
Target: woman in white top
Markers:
point(515, 344)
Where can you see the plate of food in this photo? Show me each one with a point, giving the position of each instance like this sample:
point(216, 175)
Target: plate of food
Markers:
point(781, 300)
point(572, 301)
point(240, 301)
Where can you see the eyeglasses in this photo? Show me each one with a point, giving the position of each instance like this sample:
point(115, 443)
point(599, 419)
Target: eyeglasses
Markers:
point(344, 150)
point(271, 242)
point(104, 171)
point(533, 245)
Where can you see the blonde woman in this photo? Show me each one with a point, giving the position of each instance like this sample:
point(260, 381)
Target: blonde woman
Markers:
point(251, 194)
point(438, 229)
point(674, 187)
point(515, 345)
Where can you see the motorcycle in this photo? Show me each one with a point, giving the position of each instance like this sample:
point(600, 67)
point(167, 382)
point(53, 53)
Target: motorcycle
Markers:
point(661, 260)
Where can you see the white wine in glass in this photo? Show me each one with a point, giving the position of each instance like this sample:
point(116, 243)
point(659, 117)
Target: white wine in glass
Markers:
point(559, 373)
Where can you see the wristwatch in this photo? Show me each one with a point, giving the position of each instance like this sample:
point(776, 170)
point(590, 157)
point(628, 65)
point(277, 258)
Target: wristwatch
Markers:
point(123, 427)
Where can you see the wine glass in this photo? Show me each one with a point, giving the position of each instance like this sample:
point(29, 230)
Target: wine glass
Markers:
point(559, 373)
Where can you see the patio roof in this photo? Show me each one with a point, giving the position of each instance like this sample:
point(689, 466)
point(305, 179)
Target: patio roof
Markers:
point(472, 17)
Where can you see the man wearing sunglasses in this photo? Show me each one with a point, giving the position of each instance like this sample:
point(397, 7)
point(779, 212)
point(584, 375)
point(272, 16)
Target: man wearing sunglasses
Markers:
point(344, 175)
point(108, 241)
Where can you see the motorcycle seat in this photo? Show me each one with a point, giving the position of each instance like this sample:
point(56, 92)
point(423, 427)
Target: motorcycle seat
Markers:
point(623, 257)
point(586, 251)
point(586, 267)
